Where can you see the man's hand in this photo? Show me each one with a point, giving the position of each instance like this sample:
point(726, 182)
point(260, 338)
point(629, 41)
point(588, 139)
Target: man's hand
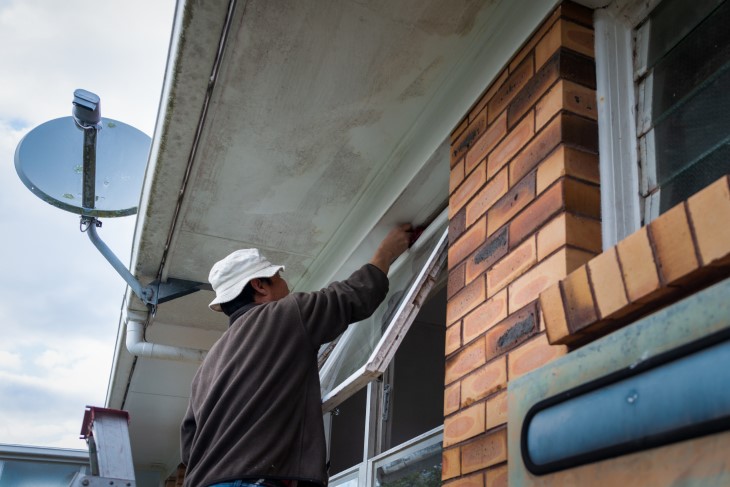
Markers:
point(394, 244)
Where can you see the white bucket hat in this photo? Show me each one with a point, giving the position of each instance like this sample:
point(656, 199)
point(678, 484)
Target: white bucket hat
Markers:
point(230, 275)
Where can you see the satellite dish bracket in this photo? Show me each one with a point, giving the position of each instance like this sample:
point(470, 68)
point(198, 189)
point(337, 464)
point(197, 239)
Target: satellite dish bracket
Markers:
point(154, 293)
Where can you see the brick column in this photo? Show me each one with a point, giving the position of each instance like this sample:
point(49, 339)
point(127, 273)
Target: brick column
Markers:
point(524, 211)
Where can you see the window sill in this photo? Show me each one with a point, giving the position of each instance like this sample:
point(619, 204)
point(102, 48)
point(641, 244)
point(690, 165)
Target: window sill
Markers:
point(680, 252)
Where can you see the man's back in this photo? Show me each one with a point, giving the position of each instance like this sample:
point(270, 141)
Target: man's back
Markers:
point(255, 408)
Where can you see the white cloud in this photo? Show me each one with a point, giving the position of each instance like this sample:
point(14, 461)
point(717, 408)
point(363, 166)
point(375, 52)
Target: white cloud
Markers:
point(60, 300)
point(9, 360)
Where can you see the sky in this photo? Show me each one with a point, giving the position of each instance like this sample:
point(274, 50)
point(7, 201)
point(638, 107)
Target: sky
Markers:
point(60, 300)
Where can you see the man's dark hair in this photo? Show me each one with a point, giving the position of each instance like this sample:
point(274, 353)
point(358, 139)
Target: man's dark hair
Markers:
point(245, 297)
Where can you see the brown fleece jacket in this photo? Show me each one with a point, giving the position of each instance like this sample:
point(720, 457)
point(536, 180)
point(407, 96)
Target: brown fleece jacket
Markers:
point(255, 409)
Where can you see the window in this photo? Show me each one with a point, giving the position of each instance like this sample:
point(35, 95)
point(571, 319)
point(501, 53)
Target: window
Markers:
point(682, 65)
point(387, 431)
point(365, 349)
point(661, 67)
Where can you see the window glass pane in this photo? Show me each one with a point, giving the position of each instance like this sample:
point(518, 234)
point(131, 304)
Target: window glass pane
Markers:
point(697, 59)
point(672, 20)
point(689, 44)
point(696, 177)
point(359, 341)
point(695, 128)
point(36, 474)
point(419, 468)
point(417, 379)
point(347, 433)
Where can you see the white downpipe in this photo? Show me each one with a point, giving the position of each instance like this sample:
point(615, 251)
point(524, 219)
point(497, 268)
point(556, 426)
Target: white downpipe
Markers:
point(137, 345)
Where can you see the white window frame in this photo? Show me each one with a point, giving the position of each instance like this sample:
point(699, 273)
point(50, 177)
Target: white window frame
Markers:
point(400, 322)
point(364, 472)
point(620, 170)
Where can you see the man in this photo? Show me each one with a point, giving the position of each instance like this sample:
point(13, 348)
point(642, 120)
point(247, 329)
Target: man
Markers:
point(255, 412)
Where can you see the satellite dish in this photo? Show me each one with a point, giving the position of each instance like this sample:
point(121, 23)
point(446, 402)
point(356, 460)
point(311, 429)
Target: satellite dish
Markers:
point(50, 162)
point(59, 161)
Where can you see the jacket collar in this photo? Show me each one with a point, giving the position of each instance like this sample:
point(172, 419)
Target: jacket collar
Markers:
point(240, 312)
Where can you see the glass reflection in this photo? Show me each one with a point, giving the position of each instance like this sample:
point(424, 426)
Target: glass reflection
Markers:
point(359, 341)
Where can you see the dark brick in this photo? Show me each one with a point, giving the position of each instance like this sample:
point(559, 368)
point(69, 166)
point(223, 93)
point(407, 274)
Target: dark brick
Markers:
point(457, 225)
point(577, 13)
point(512, 331)
point(511, 87)
point(464, 142)
point(493, 249)
point(565, 128)
point(576, 67)
point(564, 64)
point(456, 280)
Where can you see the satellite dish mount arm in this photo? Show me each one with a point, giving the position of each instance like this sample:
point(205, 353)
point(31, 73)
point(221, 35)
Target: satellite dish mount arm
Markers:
point(87, 115)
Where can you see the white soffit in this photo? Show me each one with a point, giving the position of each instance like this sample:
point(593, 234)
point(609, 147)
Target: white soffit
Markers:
point(326, 125)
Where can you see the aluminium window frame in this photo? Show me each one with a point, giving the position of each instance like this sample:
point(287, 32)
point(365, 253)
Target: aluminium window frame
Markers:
point(400, 323)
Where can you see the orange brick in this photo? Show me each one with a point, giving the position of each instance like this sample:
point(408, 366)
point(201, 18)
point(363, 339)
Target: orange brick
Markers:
point(533, 354)
point(464, 425)
point(565, 128)
point(549, 105)
point(567, 161)
point(528, 287)
point(582, 198)
point(580, 308)
point(483, 201)
point(453, 338)
point(709, 211)
point(637, 266)
point(564, 34)
point(548, 204)
point(488, 450)
point(452, 398)
point(672, 239)
point(476, 480)
point(497, 410)
point(470, 358)
point(456, 176)
point(512, 266)
point(450, 463)
point(485, 316)
point(565, 95)
point(553, 310)
point(511, 86)
point(486, 142)
point(538, 148)
point(467, 243)
point(498, 476)
point(458, 130)
point(511, 331)
point(517, 138)
point(608, 285)
point(465, 300)
point(489, 94)
point(467, 189)
point(510, 204)
point(569, 229)
point(496, 247)
point(464, 142)
point(484, 382)
point(530, 45)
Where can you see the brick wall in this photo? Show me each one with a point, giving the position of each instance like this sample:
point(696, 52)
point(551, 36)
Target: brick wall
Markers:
point(524, 211)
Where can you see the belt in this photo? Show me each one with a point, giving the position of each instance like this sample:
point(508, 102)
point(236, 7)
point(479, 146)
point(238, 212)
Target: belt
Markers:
point(276, 483)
